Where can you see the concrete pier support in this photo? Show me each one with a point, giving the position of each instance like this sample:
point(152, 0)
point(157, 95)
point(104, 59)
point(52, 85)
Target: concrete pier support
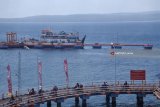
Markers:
point(114, 95)
point(59, 101)
point(113, 101)
point(58, 104)
point(84, 103)
point(107, 101)
point(49, 103)
point(84, 100)
point(140, 101)
point(76, 101)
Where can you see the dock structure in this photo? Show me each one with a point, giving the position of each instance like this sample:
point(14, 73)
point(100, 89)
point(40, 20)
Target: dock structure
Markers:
point(111, 91)
point(62, 41)
point(117, 46)
point(39, 45)
point(11, 37)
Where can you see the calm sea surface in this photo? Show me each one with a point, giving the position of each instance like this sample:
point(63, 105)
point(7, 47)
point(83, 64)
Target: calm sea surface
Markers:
point(85, 65)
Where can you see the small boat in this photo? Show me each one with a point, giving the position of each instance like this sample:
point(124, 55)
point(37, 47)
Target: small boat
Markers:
point(97, 46)
point(148, 46)
point(116, 46)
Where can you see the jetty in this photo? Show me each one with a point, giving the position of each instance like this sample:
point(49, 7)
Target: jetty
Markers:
point(110, 90)
point(27, 43)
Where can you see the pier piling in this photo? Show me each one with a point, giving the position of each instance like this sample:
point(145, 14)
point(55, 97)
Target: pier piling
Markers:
point(84, 103)
point(84, 100)
point(59, 101)
point(107, 100)
point(140, 101)
point(49, 103)
point(58, 104)
point(113, 101)
point(76, 101)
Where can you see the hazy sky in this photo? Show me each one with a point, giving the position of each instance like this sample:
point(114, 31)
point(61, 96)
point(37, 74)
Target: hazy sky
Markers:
point(23, 8)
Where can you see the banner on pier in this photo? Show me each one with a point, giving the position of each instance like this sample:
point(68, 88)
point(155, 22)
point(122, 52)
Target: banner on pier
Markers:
point(66, 69)
point(137, 75)
point(40, 73)
point(9, 80)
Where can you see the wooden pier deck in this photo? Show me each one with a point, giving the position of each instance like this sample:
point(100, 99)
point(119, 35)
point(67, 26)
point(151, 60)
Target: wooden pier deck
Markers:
point(110, 90)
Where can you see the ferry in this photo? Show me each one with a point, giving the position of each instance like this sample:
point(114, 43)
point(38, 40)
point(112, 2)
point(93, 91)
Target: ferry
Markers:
point(61, 40)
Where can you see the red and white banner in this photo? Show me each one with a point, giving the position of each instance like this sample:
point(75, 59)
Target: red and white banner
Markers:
point(9, 80)
point(40, 73)
point(66, 69)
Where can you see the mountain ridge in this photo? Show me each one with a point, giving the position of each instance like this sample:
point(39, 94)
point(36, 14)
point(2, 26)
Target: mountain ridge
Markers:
point(141, 16)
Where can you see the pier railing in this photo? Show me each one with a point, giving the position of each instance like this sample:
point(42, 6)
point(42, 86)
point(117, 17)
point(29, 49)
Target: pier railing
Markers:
point(87, 90)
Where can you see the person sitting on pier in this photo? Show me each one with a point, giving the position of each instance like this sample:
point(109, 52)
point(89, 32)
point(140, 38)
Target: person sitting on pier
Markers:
point(40, 91)
point(104, 85)
point(12, 99)
point(76, 86)
point(54, 90)
point(32, 92)
point(126, 85)
point(81, 86)
point(80, 89)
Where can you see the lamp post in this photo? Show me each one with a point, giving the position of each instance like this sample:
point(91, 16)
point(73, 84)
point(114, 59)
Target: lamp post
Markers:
point(19, 73)
point(115, 65)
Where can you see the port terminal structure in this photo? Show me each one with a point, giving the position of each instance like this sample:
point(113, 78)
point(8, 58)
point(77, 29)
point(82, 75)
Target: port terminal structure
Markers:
point(111, 91)
point(12, 42)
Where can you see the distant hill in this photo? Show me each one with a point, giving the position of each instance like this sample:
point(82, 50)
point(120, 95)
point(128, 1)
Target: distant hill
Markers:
point(142, 16)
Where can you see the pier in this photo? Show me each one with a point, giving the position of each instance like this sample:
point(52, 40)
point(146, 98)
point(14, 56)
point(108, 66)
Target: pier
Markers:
point(118, 46)
point(12, 42)
point(111, 91)
point(73, 46)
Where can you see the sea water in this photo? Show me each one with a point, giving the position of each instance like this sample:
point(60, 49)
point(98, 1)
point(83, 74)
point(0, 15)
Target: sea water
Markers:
point(86, 65)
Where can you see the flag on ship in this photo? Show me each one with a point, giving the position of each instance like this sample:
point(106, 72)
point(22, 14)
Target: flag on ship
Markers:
point(9, 80)
point(66, 70)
